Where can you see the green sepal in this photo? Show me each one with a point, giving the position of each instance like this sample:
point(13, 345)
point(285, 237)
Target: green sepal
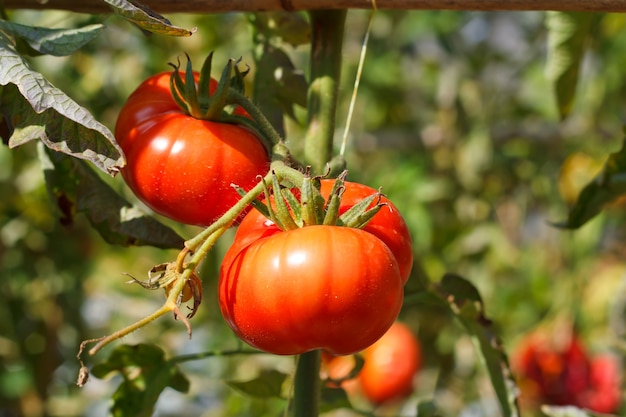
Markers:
point(204, 83)
point(334, 200)
point(282, 209)
point(191, 92)
point(294, 205)
point(311, 201)
point(361, 213)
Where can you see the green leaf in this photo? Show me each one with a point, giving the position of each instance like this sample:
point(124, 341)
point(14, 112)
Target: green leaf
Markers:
point(146, 373)
point(465, 303)
point(34, 109)
point(268, 384)
point(568, 33)
point(147, 19)
point(57, 42)
point(333, 399)
point(427, 409)
point(78, 189)
point(605, 188)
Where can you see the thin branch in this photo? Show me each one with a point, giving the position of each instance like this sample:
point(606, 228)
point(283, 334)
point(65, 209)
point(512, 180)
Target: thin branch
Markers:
point(218, 6)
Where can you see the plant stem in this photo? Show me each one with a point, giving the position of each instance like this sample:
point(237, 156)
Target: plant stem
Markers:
point(326, 47)
point(307, 385)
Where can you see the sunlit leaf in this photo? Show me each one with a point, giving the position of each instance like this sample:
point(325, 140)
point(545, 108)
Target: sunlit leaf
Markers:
point(269, 384)
point(57, 42)
point(35, 109)
point(147, 19)
point(288, 27)
point(568, 33)
point(464, 301)
point(78, 189)
point(605, 188)
point(146, 373)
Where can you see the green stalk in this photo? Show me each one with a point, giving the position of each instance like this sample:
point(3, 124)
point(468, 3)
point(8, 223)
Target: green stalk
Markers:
point(327, 28)
point(307, 385)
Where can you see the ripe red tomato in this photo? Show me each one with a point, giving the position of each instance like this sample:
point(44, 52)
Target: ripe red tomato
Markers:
point(552, 371)
point(180, 166)
point(389, 368)
point(318, 287)
point(560, 372)
point(390, 365)
point(388, 225)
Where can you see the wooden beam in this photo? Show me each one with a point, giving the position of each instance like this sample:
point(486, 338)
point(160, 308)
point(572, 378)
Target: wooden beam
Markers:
point(220, 6)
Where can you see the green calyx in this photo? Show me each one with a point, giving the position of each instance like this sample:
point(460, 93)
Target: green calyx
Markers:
point(291, 207)
point(197, 99)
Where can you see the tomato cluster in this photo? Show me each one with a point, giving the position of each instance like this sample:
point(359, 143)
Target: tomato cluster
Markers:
point(389, 369)
point(318, 287)
point(180, 166)
point(561, 372)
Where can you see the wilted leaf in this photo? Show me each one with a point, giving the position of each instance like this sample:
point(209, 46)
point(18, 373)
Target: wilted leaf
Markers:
point(57, 42)
point(605, 188)
point(146, 373)
point(268, 384)
point(147, 19)
point(35, 109)
point(78, 189)
point(568, 33)
point(465, 303)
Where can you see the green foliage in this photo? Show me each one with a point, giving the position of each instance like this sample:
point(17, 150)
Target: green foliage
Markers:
point(35, 109)
point(568, 34)
point(77, 189)
point(146, 373)
point(604, 189)
point(269, 384)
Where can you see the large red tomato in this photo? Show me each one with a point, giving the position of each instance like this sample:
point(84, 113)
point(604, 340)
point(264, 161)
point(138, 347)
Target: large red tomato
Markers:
point(180, 166)
point(390, 365)
point(318, 287)
point(388, 225)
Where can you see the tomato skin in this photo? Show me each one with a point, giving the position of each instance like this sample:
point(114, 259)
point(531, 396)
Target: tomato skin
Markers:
point(180, 166)
point(390, 365)
point(389, 368)
point(388, 225)
point(319, 287)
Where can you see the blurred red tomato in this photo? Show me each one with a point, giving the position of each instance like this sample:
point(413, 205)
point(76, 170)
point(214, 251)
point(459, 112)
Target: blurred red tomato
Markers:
point(389, 368)
point(557, 370)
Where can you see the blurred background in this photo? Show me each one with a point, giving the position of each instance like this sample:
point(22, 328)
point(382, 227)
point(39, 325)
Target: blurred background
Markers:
point(457, 122)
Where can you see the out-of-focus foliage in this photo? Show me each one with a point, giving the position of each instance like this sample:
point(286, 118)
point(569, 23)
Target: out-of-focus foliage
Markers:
point(455, 119)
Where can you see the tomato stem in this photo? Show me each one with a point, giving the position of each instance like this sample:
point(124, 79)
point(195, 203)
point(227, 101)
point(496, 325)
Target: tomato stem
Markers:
point(326, 49)
point(306, 394)
point(264, 125)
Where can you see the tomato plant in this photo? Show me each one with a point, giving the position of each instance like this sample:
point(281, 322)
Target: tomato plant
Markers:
point(180, 166)
point(388, 224)
point(317, 287)
point(389, 368)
